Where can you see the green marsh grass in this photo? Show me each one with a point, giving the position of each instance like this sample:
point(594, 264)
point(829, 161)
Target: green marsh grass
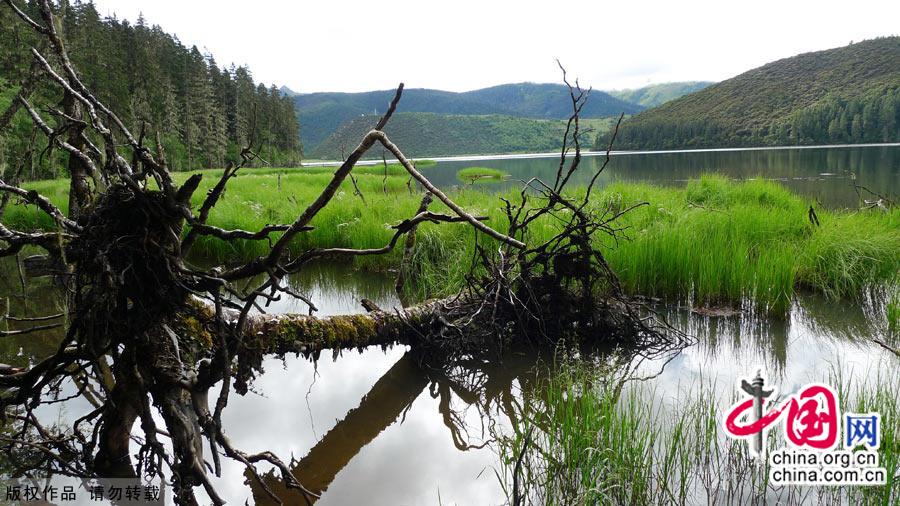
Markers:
point(893, 310)
point(714, 242)
point(721, 242)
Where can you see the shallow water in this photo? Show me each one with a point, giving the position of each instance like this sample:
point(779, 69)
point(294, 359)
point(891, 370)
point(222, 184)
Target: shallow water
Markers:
point(371, 427)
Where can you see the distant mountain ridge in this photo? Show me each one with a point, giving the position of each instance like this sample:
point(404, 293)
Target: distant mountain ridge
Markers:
point(653, 95)
point(849, 94)
point(426, 134)
point(321, 114)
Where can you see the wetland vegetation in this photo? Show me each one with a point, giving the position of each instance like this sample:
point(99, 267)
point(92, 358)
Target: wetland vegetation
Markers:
point(712, 243)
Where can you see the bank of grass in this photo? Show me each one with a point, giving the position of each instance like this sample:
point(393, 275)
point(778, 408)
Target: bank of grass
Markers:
point(586, 441)
point(473, 175)
point(713, 242)
point(722, 241)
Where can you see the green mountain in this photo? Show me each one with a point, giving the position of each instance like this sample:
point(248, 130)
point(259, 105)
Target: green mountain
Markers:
point(658, 94)
point(425, 134)
point(849, 94)
point(321, 114)
point(287, 91)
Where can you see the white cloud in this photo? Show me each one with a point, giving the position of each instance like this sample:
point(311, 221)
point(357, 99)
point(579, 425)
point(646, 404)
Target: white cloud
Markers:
point(343, 45)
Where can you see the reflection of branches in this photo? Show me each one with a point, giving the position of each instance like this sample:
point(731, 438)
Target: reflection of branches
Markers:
point(388, 398)
point(481, 385)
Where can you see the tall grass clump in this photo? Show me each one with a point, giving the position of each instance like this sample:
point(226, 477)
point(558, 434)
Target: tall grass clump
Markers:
point(851, 251)
point(719, 242)
point(893, 309)
point(578, 446)
point(715, 242)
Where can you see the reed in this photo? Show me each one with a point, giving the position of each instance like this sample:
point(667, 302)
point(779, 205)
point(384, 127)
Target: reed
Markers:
point(588, 441)
point(893, 310)
point(719, 242)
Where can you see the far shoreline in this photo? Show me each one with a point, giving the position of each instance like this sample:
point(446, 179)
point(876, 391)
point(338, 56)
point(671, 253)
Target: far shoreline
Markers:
point(590, 153)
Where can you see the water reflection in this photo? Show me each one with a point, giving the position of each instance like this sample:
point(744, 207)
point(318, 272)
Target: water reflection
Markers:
point(383, 404)
point(446, 424)
point(334, 288)
point(39, 298)
point(375, 427)
point(826, 174)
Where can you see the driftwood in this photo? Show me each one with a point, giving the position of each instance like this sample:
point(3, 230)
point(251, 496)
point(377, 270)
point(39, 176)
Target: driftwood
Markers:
point(888, 347)
point(150, 333)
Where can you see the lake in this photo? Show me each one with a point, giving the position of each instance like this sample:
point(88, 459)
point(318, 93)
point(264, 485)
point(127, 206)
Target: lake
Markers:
point(826, 173)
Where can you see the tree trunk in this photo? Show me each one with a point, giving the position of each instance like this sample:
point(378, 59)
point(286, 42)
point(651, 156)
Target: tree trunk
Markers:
point(284, 333)
point(121, 411)
point(79, 188)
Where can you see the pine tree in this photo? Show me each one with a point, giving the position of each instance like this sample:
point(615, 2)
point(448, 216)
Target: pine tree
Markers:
point(201, 112)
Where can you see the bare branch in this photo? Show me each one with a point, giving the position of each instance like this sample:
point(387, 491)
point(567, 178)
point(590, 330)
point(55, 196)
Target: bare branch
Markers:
point(230, 235)
point(36, 328)
point(402, 228)
point(30, 22)
point(441, 195)
point(43, 203)
point(54, 136)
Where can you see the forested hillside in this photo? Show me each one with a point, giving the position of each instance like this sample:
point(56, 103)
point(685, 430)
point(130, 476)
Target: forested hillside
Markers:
point(658, 94)
point(321, 114)
point(849, 94)
point(202, 112)
point(424, 134)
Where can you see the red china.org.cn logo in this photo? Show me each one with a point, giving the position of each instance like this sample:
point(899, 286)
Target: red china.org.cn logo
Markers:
point(816, 454)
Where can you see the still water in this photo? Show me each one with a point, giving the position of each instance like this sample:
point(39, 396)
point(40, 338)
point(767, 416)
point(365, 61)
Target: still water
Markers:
point(825, 173)
point(371, 427)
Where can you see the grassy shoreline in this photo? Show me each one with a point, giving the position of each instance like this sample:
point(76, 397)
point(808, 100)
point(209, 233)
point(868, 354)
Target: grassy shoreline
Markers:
point(713, 242)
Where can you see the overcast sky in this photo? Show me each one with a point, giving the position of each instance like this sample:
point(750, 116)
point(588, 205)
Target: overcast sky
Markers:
point(340, 45)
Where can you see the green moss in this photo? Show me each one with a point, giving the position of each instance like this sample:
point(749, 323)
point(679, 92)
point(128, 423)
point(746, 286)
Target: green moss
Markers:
point(318, 333)
point(197, 331)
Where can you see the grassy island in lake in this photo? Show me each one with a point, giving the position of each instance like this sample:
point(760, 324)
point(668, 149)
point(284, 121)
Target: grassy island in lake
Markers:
point(480, 175)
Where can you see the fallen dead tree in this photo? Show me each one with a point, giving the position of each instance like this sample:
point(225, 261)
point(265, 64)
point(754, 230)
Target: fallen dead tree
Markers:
point(152, 333)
